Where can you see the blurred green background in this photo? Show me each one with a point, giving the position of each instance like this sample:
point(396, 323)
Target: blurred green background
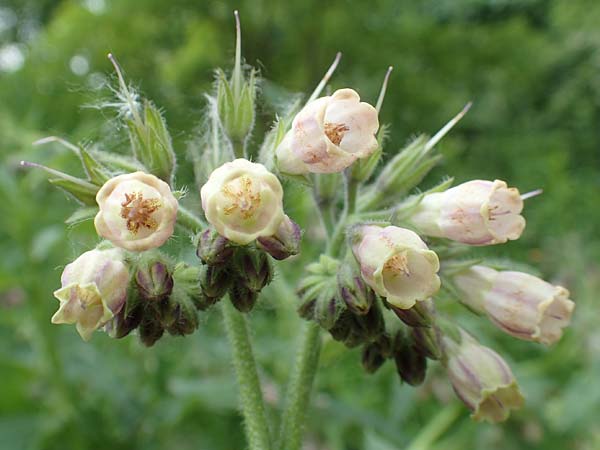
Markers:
point(532, 68)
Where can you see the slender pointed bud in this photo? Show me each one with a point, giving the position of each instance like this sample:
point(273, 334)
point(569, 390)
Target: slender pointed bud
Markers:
point(243, 201)
point(93, 290)
point(214, 282)
point(213, 249)
point(154, 281)
point(285, 242)
point(150, 330)
point(477, 212)
point(329, 134)
point(520, 304)
point(137, 211)
point(242, 298)
point(427, 341)
point(396, 263)
point(254, 270)
point(410, 363)
point(357, 295)
point(420, 315)
point(481, 379)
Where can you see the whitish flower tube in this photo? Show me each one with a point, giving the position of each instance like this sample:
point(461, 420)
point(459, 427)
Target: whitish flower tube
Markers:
point(329, 134)
point(243, 201)
point(520, 304)
point(137, 211)
point(477, 212)
point(481, 379)
point(396, 263)
point(93, 290)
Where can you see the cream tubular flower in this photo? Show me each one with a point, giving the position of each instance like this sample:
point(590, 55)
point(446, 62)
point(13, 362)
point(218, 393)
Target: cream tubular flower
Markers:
point(481, 379)
point(329, 134)
point(94, 289)
point(520, 304)
point(137, 211)
point(243, 201)
point(477, 212)
point(397, 264)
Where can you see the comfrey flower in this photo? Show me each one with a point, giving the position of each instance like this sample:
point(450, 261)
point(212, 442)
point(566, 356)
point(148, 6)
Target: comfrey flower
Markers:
point(329, 134)
point(137, 211)
point(481, 379)
point(520, 304)
point(93, 290)
point(243, 201)
point(397, 264)
point(477, 212)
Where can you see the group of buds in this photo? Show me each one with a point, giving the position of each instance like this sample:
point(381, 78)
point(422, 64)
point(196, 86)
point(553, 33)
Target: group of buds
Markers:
point(375, 286)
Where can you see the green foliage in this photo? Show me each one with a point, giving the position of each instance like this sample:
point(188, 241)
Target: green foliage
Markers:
point(528, 65)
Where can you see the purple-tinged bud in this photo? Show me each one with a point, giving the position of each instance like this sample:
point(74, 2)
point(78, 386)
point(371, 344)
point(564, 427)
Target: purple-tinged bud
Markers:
point(481, 378)
point(371, 325)
point(285, 242)
point(150, 330)
point(242, 298)
point(129, 317)
point(520, 304)
point(427, 341)
point(154, 282)
point(307, 309)
point(214, 282)
point(185, 318)
point(213, 249)
point(420, 315)
point(375, 353)
point(254, 270)
point(410, 363)
point(342, 328)
point(357, 295)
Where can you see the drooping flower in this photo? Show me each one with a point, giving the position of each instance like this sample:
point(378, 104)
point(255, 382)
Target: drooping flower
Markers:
point(397, 264)
point(243, 201)
point(93, 290)
point(329, 134)
point(520, 304)
point(481, 378)
point(137, 211)
point(477, 212)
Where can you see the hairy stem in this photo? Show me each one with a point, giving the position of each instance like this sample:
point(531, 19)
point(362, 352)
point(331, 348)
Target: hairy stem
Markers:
point(251, 399)
point(351, 191)
point(436, 427)
point(299, 389)
point(189, 220)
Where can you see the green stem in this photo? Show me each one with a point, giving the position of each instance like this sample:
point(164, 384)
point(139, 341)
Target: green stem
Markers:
point(303, 374)
point(189, 220)
point(351, 192)
point(436, 427)
point(239, 149)
point(251, 399)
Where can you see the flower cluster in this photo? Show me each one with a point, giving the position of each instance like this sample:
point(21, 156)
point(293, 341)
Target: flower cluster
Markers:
point(390, 254)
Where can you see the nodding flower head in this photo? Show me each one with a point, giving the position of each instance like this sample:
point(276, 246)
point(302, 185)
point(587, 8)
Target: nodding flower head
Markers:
point(93, 290)
point(397, 264)
point(477, 212)
point(137, 211)
point(329, 134)
point(243, 201)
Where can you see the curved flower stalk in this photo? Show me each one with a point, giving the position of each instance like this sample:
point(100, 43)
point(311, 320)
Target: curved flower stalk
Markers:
point(520, 304)
point(329, 134)
point(93, 290)
point(137, 211)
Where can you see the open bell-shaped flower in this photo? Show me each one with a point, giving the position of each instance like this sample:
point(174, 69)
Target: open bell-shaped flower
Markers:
point(329, 134)
point(93, 290)
point(137, 211)
point(477, 212)
point(396, 263)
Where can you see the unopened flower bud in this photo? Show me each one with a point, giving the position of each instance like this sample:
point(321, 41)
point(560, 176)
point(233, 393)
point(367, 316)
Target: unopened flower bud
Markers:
point(520, 304)
point(243, 201)
point(357, 295)
point(285, 242)
point(481, 378)
point(254, 270)
point(214, 282)
point(427, 341)
point(213, 248)
point(137, 211)
point(185, 318)
point(410, 363)
point(329, 134)
point(154, 282)
point(242, 298)
point(420, 315)
point(125, 322)
point(93, 289)
point(150, 330)
point(396, 263)
point(371, 324)
point(477, 212)
point(375, 353)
